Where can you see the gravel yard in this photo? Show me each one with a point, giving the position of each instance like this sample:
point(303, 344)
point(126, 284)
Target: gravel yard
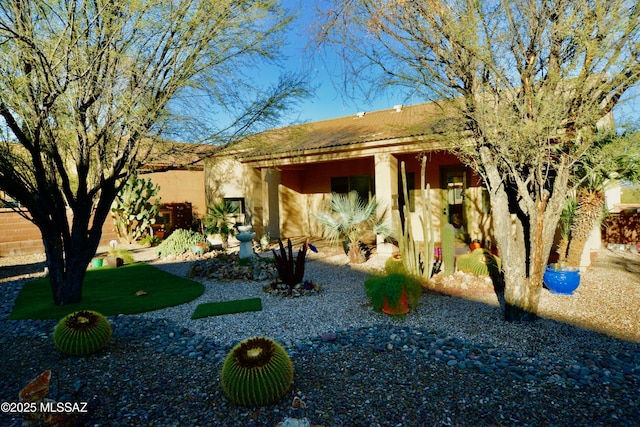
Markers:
point(452, 361)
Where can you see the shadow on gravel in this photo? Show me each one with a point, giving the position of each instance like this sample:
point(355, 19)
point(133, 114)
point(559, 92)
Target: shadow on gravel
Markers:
point(14, 272)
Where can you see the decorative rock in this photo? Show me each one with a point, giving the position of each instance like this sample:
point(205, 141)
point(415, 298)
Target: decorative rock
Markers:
point(295, 422)
point(328, 337)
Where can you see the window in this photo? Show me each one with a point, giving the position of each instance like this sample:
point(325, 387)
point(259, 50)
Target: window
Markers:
point(362, 184)
point(239, 204)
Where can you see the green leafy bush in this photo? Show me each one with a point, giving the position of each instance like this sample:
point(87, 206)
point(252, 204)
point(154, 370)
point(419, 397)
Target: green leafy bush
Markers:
point(179, 242)
point(256, 372)
point(82, 333)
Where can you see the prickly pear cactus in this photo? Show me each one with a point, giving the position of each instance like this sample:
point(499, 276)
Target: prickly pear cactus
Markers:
point(82, 333)
point(258, 371)
point(132, 210)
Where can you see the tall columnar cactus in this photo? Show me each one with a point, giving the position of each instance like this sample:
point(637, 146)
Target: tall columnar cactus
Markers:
point(420, 265)
point(258, 371)
point(448, 248)
point(132, 210)
point(82, 333)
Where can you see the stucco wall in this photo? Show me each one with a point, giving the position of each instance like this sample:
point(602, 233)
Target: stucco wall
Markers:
point(228, 178)
point(181, 186)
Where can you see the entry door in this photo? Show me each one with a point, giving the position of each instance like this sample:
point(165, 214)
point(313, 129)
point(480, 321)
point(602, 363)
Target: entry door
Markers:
point(454, 181)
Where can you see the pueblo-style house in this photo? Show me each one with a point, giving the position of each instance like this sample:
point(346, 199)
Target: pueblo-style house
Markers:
point(281, 178)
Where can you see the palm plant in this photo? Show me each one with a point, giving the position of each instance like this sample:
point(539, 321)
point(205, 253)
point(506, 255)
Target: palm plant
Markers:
point(617, 160)
point(590, 210)
point(349, 218)
point(566, 219)
point(219, 220)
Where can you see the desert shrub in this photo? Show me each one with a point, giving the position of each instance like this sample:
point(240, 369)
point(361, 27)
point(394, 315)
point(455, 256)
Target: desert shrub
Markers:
point(179, 242)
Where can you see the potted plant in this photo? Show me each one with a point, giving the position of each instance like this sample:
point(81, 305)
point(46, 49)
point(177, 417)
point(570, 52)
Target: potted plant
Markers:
point(561, 279)
point(393, 294)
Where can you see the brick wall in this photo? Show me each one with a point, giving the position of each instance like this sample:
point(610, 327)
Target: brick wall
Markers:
point(20, 237)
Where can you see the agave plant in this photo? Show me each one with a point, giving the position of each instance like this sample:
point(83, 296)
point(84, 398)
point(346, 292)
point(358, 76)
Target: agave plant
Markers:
point(350, 217)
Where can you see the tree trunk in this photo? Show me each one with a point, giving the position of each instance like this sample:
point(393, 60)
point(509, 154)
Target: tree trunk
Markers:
point(563, 245)
point(69, 253)
point(66, 269)
point(521, 296)
point(576, 247)
point(521, 302)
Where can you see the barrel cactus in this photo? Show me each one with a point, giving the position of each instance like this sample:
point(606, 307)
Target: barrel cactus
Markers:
point(82, 333)
point(394, 265)
point(480, 262)
point(258, 371)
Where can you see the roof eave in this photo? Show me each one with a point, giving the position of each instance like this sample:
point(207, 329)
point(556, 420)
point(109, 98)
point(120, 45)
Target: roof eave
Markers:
point(341, 152)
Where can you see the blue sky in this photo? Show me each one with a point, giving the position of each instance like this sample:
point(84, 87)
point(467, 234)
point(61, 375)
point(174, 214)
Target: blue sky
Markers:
point(329, 102)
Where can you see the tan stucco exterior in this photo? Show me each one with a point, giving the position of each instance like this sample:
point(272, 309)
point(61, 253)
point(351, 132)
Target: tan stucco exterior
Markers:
point(283, 200)
point(179, 186)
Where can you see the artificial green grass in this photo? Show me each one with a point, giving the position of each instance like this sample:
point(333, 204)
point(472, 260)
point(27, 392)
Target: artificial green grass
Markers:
point(109, 291)
point(227, 307)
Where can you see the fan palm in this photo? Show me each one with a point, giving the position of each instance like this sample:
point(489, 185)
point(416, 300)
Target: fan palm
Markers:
point(219, 219)
point(349, 218)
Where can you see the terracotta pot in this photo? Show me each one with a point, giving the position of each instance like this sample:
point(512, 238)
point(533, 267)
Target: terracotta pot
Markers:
point(400, 309)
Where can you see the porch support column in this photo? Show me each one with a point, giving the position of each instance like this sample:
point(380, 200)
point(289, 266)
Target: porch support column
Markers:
point(386, 173)
point(271, 202)
point(252, 189)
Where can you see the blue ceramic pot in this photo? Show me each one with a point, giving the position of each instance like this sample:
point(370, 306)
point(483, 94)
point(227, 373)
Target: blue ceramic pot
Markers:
point(561, 281)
